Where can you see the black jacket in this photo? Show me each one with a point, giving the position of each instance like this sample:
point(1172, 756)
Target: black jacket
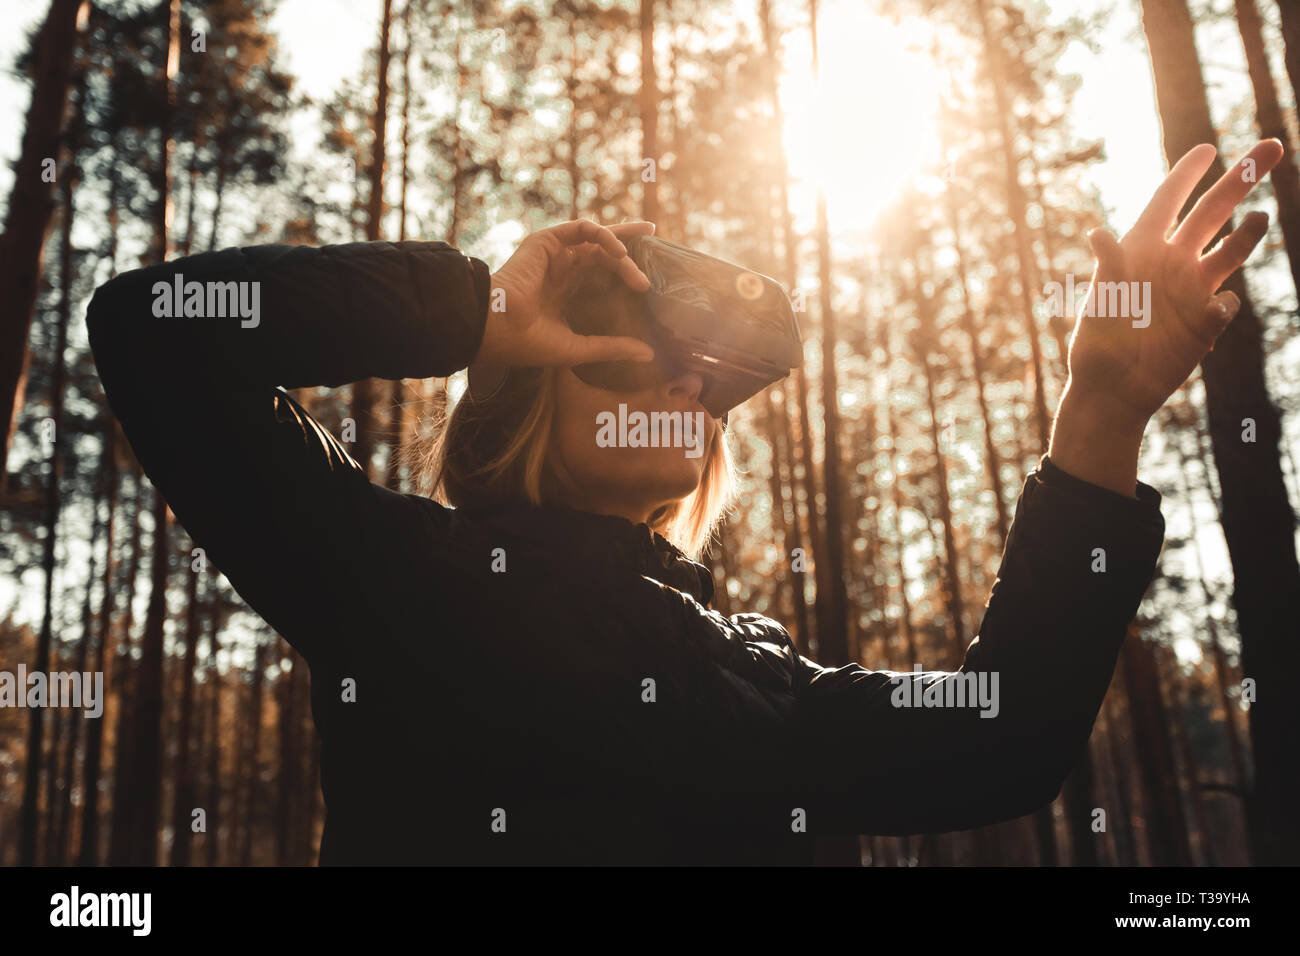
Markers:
point(584, 705)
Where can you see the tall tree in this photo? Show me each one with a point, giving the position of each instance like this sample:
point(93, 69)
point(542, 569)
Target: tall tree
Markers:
point(126, 677)
point(397, 430)
point(145, 786)
point(1026, 270)
point(363, 392)
point(802, 465)
point(1285, 177)
point(924, 342)
point(88, 853)
point(53, 501)
point(31, 204)
point(186, 751)
point(252, 767)
point(1289, 17)
point(1166, 823)
point(832, 634)
point(649, 114)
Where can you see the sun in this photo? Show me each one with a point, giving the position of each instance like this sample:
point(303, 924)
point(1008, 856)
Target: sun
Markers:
point(868, 125)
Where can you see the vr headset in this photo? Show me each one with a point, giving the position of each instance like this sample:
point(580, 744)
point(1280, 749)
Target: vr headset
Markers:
point(732, 326)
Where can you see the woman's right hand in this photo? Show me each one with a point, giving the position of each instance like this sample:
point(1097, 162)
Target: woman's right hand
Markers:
point(525, 326)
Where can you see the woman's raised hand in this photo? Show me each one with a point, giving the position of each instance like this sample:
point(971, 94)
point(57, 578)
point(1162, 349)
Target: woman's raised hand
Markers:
point(525, 326)
point(1133, 358)
point(1152, 314)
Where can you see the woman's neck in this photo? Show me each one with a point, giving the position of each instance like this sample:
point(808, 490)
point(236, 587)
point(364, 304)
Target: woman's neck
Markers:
point(596, 504)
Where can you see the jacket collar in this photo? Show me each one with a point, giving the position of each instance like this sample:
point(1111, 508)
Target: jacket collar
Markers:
point(601, 541)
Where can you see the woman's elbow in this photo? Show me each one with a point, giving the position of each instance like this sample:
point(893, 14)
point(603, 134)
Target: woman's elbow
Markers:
point(115, 317)
point(1035, 773)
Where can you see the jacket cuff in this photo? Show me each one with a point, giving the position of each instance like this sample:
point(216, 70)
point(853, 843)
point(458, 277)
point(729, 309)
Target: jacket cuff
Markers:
point(458, 337)
point(483, 292)
point(1144, 508)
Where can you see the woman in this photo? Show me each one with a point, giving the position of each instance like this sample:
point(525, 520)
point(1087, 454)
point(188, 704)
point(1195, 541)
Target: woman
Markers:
point(534, 675)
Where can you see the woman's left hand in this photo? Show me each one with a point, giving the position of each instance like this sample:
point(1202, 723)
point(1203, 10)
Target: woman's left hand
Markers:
point(1123, 367)
point(1137, 360)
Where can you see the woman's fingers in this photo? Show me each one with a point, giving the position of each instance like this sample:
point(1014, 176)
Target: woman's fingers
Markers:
point(1226, 258)
point(584, 230)
point(1161, 212)
point(622, 266)
point(631, 273)
point(1216, 205)
point(1109, 253)
point(606, 348)
point(1215, 316)
point(626, 230)
point(578, 234)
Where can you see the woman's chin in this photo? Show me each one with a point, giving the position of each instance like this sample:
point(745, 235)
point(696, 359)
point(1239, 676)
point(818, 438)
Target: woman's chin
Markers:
point(665, 473)
point(680, 478)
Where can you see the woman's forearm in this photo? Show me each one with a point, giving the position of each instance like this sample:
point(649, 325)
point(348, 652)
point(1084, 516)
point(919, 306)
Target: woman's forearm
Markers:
point(296, 315)
point(1096, 441)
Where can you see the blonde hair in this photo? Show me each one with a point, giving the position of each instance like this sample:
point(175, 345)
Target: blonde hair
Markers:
point(498, 452)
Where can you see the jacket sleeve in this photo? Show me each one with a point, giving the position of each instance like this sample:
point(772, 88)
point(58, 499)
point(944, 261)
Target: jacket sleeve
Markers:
point(257, 482)
point(889, 752)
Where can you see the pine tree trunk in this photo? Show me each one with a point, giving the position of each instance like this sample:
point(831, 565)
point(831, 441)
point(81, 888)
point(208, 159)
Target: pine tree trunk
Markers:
point(144, 786)
point(905, 613)
point(212, 800)
point(375, 205)
point(1165, 825)
point(992, 462)
point(398, 417)
point(802, 446)
point(1059, 326)
point(649, 103)
point(1119, 823)
point(406, 118)
point(61, 842)
point(218, 196)
point(1016, 212)
point(787, 532)
point(309, 847)
point(252, 779)
point(182, 832)
point(833, 638)
point(1239, 780)
point(1289, 16)
point(832, 603)
point(1167, 669)
point(126, 680)
point(286, 783)
point(27, 221)
point(144, 791)
point(1268, 117)
point(952, 576)
point(30, 820)
point(363, 392)
point(804, 638)
point(88, 854)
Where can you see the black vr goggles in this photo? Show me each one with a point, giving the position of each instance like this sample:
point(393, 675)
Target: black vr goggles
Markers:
point(733, 327)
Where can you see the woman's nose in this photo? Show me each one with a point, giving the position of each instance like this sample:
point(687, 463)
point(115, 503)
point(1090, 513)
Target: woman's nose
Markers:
point(688, 385)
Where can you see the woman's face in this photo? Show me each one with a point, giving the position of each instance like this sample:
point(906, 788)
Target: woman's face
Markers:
point(631, 460)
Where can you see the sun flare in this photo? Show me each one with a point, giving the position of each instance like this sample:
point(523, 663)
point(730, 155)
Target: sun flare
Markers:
point(868, 125)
